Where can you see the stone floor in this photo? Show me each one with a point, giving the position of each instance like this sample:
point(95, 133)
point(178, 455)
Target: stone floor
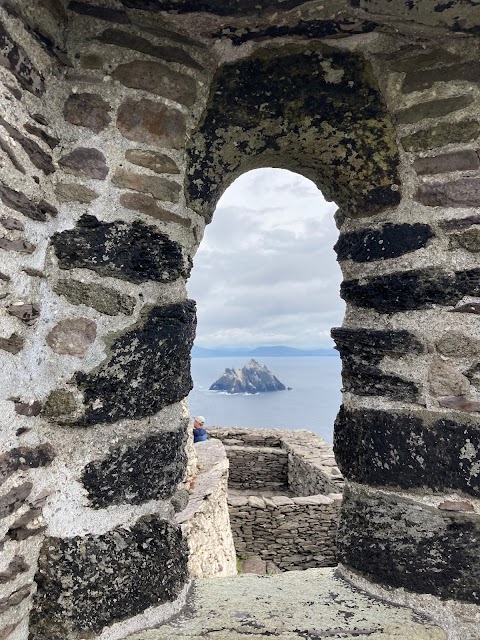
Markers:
point(298, 605)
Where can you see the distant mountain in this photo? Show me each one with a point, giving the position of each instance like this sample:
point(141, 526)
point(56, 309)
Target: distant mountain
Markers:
point(252, 378)
point(260, 352)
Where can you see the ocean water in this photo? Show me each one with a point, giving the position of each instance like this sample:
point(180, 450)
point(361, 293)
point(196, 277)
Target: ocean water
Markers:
point(312, 403)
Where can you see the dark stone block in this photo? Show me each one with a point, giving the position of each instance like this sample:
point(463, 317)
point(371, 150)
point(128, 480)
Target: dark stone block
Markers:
point(23, 458)
point(14, 499)
point(14, 58)
point(87, 110)
point(425, 78)
point(152, 123)
point(19, 202)
point(416, 289)
point(455, 224)
point(218, 7)
point(13, 344)
point(419, 59)
point(102, 13)
point(390, 241)
point(37, 155)
point(367, 380)
point(432, 109)
point(401, 543)
point(372, 345)
point(87, 583)
point(51, 141)
point(136, 252)
point(441, 135)
point(148, 367)
point(167, 53)
point(464, 192)
point(147, 469)
point(410, 450)
point(455, 161)
point(85, 161)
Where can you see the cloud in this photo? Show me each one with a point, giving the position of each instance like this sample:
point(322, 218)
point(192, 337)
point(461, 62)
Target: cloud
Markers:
point(265, 272)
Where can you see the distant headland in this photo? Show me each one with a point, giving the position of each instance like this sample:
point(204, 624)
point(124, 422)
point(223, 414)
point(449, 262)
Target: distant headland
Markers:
point(259, 352)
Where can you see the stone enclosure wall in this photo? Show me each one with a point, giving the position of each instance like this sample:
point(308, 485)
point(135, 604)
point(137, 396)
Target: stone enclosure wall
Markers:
point(296, 530)
point(121, 124)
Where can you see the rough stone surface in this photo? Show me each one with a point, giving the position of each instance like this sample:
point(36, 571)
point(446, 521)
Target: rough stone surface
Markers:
point(87, 110)
point(327, 98)
point(325, 606)
point(20, 246)
point(464, 192)
point(372, 345)
point(13, 344)
point(416, 289)
point(14, 499)
point(23, 458)
point(148, 205)
point(132, 568)
point(367, 380)
point(19, 202)
point(72, 192)
point(85, 162)
point(409, 449)
point(432, 109)
point(39, 158)
point(441, 135)
point(59, 402)
point(146, 469)
point(103, 299)
point(135, 252)
point(134, 383)
point(160, 188)
point(390, 241)
point(468, 239)
point(14, 58)
point(159, 79)
point(72, 337)
point(405, 544)
point(454, 344)
point(152, 123)
point(425, 78)
point(28, 313)
point(446, 162)
point(445, 380)
point(158, 162)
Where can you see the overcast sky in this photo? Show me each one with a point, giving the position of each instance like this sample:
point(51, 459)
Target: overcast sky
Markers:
point(265, 272)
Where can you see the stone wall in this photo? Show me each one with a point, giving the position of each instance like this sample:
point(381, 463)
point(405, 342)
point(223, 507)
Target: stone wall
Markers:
point(258, 467)
point(205, 519)
point(122, 122)
point(294, 533)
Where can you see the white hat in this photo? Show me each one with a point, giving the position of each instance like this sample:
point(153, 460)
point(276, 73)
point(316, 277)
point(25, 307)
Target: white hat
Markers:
point(200, 420)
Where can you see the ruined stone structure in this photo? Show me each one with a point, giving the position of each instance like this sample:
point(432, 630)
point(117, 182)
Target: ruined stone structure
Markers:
point(121, 124)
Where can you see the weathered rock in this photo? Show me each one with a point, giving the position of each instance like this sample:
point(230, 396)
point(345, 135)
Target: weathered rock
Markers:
point(454, 344)
point(15, 567)
point(86, 162)
point(91, 61)
point(472, 307)
point(372, 345)
point(135, 252)
point(445, 380)
point(28, 409)
point(14, 599)
point(464, 192)
point(158, 162)
point(148, 367)
point(146, 469)
point(164, 52)
point(416, 289)
point(432, 109)
point(12, 224)
point(366, 380)
point(159, 79)
point(87, 110)
point(19, 202)
point(72, 192)
point(103, 299)
point(59, 402)
point(252, 378)
point(51, 141)
point(148, 205)
point(402, 543)
point(26, 526)
point(14, 58)
point(417, 59)
point(441, 135)
point(159, 188)
point(469, 240)
point(133, 568)
point(102, 13)
point(23, 458)
point(455, 224)
point(13, 158)
point(425, 78)
point(27, 313)
point(14, 499)
point(443, 451)
point(152, 123)
point(446, 162)
point(238, 7)
point(461, 403)
point(37, 155)
point(72, 337)
point(20, 246)
point(390, 241)
point(13, 344)
point(457, 505)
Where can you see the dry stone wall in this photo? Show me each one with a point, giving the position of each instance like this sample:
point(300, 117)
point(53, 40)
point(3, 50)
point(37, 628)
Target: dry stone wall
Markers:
point(122, 122)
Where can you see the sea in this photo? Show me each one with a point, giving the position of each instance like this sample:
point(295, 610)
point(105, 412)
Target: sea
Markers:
point(312, 403)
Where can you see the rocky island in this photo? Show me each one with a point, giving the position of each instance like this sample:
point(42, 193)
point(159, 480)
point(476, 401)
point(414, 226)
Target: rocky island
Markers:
point(252, 378)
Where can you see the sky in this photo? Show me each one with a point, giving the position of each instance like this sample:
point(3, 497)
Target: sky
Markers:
point(266, 273)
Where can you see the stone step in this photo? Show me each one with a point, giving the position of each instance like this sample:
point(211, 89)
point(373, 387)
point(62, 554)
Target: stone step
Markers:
point(315, 603)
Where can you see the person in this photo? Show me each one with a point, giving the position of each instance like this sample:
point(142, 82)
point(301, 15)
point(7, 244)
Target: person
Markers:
point(199, 431)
